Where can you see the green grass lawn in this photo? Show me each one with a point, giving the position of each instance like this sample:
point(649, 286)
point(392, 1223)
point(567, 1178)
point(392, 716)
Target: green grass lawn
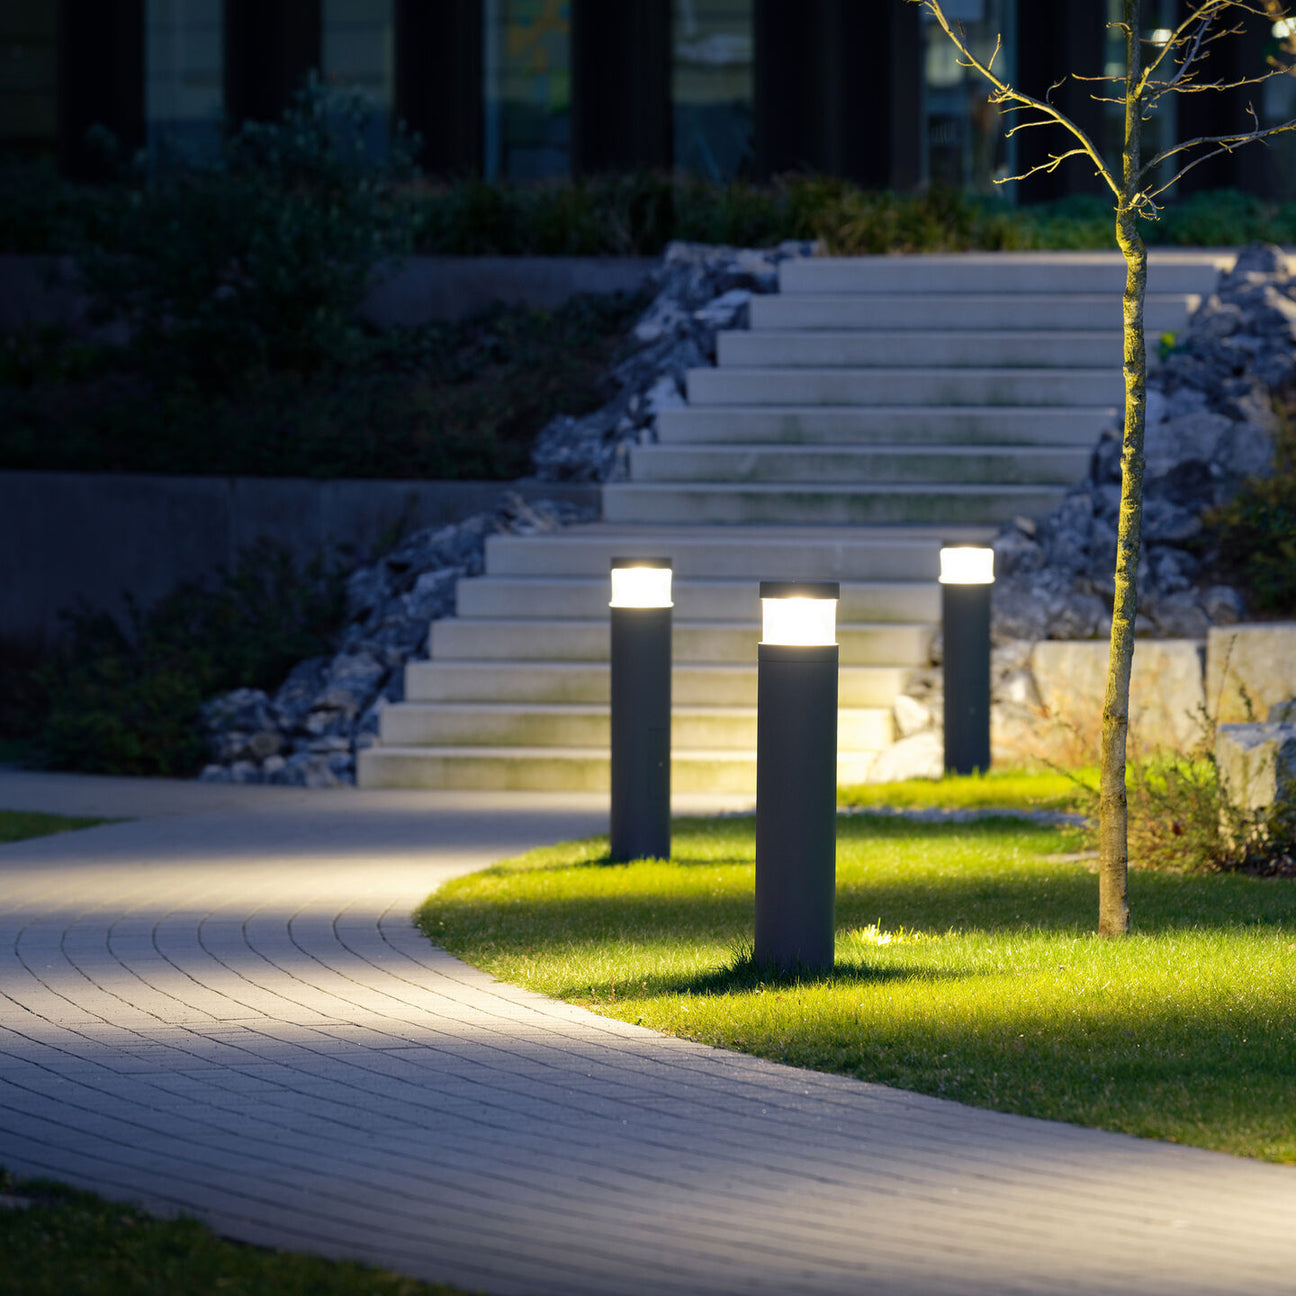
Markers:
point(68, 1243)
point(1022, 789)
point(17, 825)
point(966, 967)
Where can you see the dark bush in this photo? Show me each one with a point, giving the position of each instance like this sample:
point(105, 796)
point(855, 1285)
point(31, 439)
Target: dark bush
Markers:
point(461, 400)
point(1250, 542)
point(124, 699)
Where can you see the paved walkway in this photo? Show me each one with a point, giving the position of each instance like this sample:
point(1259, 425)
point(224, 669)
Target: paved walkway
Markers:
point(224, 1009)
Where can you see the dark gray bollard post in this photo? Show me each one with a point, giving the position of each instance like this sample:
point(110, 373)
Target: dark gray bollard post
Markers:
point(967, 574)
point(641, 708)
point(796, 775)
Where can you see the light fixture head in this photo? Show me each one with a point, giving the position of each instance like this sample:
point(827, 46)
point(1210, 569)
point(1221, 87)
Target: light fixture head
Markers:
point(967, 565)
point(799, 613)
point(641, 583)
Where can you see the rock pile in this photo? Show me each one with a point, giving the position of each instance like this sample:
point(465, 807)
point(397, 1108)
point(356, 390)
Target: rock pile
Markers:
point(327, 709)
point(700, 289)
point(1210, 425)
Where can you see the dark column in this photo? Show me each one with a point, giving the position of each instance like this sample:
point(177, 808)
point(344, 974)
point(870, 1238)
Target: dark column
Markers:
point(621, 110)
point(439, 81)
point(1054, 40)
point(270, 46)
point(100, 80)
point(1225, 112)
point(838, 90)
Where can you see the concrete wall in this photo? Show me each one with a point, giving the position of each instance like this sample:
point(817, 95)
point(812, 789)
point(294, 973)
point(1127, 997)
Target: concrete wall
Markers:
point(36, 290)
point(94, 536)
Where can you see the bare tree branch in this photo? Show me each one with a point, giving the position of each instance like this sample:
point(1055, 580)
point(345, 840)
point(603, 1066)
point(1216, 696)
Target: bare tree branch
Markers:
point(1260, 136)
point(1227, 143)
point(1051, 165)
point(1005, 93)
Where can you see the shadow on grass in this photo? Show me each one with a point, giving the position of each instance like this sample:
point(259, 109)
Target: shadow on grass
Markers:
point(746, 975)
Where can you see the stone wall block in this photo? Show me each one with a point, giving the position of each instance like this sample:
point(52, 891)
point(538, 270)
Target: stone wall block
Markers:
point(1166, 695)
point(1249, 668)
point(1256, 762)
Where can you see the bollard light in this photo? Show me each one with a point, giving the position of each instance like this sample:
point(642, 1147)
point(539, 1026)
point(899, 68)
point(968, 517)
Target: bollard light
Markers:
point(641, 706)
point(796, 774)
point(966, 575)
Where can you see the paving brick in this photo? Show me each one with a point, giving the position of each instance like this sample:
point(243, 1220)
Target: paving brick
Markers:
point(237, 1019)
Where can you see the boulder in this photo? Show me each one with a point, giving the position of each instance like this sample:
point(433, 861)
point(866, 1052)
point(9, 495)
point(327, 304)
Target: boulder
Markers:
point(1166, 692)
point(1249, 668)
point(1256, 763)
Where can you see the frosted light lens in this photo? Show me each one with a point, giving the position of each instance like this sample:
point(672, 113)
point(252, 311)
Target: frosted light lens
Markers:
point(801, 621)
point(967, 565)
point(641, 587)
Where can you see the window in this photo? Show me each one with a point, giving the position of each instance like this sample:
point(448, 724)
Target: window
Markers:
point(1159, 131)
point(964, 144)
point(357, 53)
point(184, 99)
point(711, 87)
point(527, 88)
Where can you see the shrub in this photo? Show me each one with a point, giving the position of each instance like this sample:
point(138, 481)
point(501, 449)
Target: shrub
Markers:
point(455, 400)
point(124, 699)
point(260, 260)
point(1251, 540)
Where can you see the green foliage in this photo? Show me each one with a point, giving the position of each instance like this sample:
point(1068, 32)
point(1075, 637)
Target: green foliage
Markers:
point(20, 825)
point(69, 1243)
point(1255, 539)
point(258, 261)
point(964, 969)
point(315, 155)
point(1251, 540)
point(124, 699)
point(455, 400)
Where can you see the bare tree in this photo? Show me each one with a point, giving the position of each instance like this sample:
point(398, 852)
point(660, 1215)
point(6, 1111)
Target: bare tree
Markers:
point(1177, 63)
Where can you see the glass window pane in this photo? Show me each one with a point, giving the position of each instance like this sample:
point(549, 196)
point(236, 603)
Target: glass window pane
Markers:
point(527, 88)
point(1159, 19)
point(711, 87)
point(184, 92)
point(964, 136)
point(357, 53)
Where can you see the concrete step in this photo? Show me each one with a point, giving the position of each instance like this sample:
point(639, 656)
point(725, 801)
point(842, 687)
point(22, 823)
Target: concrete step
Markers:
point(455, 638)
point(588, 682)
point(482, 724)
point(1034, 273)
point(997, 465)
point(997, 348)
point(741, 553)
point(905, 386)
point(1162, 312)
point(586, 598)
point(826, 505)
point(1037, 425)
point(544, 769)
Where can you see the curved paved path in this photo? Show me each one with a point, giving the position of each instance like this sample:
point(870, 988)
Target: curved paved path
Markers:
point(223, 1009)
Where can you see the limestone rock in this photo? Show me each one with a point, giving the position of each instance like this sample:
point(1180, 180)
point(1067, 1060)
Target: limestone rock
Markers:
point(1256, 763)
point(1250, 668)
point(920, 756)
point(1166, 693)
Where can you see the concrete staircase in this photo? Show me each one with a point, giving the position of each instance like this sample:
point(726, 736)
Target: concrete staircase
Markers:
point(875, 407)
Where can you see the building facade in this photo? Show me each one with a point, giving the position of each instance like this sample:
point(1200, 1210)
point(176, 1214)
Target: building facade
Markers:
point(532, 89)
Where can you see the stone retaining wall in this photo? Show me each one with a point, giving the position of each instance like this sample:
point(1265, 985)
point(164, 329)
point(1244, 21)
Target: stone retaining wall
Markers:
point(1177, 687)
point(93, 536)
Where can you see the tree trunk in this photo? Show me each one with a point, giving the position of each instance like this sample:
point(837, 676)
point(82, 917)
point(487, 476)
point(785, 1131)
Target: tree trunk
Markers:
point(1113, 811)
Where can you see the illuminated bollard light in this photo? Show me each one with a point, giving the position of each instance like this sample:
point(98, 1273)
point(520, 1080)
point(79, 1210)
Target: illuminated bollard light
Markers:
point(967, 573)
point(796, 775)
point(641, 707)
